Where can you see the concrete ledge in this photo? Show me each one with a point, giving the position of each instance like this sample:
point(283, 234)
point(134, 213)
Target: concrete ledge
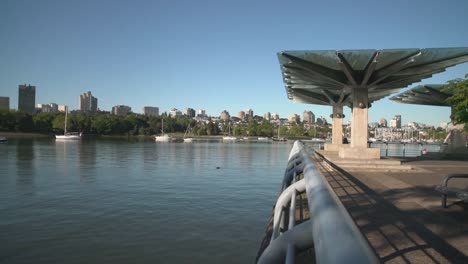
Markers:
point(335, 147)
point(359, 153)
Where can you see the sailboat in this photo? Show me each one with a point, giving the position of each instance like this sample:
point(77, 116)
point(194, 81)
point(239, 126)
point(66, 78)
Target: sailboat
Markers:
point(279, 138)
point(163, 137)
point(229, 137)
point(187, 132)
point(68, 135)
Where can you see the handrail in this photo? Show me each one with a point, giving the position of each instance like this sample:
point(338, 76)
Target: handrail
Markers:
point(330, 230)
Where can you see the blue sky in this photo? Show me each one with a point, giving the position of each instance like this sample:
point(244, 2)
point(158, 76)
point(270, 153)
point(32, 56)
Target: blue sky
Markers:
point(213, 55)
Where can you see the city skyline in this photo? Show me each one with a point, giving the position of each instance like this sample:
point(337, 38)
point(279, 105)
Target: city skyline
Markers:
point(124, 109)
point(207, 55)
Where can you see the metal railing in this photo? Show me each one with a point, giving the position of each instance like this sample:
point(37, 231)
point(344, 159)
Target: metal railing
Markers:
point(330, 230)
point(403, 149)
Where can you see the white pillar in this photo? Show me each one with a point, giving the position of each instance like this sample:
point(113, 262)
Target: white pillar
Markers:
point(337, 129)
point(359, 120)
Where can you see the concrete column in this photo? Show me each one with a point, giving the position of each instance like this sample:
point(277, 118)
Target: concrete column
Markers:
point(337, 129)
point(359, 119)
point(358, 148)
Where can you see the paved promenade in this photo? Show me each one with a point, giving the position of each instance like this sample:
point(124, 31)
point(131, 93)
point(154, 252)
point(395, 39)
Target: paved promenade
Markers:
point(400, 213)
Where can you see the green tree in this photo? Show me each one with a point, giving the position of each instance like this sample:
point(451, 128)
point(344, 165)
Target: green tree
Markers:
point(296, 131)
point(459, 100)
point(7, 120)
point(43, 122)
point(24, 122)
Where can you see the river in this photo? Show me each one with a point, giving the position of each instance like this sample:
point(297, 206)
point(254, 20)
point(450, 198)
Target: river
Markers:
point(118, 201)
point(115, 201)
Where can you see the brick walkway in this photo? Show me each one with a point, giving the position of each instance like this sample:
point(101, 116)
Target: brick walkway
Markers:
point(400, 212)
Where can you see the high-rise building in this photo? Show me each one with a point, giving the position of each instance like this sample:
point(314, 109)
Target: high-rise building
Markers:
point(249, 114)
point(5, 102)
point(308, 117)
point(294, 118)
point(121, 110)
point(62, 108)
point(190, 112)
point(175, 112)
point(396, 121)
point(87, 102)
point(275, 116)
point(225, 115)
point(201, 113)
point(383, 122)
point(241, 115)
point(151, 111)
point(27, 98)
point(322, 121)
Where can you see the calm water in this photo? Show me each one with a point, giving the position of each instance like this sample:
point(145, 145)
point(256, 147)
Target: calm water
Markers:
point(113, 201)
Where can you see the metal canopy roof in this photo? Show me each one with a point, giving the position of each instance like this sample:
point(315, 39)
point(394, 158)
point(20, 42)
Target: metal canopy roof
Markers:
point(326, 77)
point(428, 94)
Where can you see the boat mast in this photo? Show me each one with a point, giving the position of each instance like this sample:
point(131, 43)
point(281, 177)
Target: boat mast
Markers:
point(66, 115)
point(162, 126)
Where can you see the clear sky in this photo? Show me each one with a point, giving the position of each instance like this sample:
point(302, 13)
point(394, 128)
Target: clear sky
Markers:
point(211, 55)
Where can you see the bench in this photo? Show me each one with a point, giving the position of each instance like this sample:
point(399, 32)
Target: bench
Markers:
point(445, 190)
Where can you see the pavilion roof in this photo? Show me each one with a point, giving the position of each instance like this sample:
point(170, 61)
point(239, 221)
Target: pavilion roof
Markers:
point(326, 77)
point(427, 94)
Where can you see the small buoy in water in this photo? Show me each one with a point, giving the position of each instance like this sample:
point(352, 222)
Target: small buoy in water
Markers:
point(218, 168)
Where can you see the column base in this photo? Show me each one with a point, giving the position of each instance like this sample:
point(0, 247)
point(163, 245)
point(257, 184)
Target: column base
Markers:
point(359, 153)
point(335, 147)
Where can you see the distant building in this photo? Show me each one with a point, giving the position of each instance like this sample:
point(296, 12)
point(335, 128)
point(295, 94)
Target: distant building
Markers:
point(44, 108)
point(396, 122)
point(374, 124)
point(87, 102)
point(444, 124)
point(225, 115)
point(241, 115)
point(62, 108)
point(151, 111)
point(294, 118)
point(249, 114)
point(175, 112)
point(121, 110)
point(275, 116)
point(5, 102)
point(27, 98)
point(267, 116)
point(383, 122)
point(201, 113)
point(53, 107)
point(190, 112)
point(47, 108)
point(308, 117)
point(322, 121)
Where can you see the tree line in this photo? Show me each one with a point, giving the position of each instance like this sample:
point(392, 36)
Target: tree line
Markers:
point(134, 124)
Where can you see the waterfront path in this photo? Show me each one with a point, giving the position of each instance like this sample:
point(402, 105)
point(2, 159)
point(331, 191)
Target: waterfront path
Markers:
point(400, 213)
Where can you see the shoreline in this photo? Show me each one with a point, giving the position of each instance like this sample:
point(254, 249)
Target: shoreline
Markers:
point(24, 135)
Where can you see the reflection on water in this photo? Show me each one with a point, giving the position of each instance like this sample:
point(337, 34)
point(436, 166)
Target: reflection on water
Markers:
point(24, 166)
point(113, 201)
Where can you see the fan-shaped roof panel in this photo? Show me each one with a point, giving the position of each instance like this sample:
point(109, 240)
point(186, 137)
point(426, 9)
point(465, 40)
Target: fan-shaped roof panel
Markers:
point(427, 94)
point(328, 76)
